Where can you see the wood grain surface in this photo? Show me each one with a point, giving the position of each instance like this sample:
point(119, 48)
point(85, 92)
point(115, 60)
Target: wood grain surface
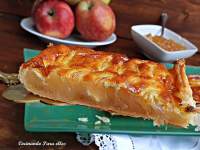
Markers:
point(184, 19)
point(183, 14)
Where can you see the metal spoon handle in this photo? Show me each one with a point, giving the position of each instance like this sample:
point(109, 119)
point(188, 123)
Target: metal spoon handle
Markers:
point(9, 78)
point(164, 18)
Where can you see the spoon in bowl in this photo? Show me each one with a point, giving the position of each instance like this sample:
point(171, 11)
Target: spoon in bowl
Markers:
point(164, 18)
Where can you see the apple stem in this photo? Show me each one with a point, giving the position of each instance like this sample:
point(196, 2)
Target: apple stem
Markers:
point(90, 6)
point(51, 12)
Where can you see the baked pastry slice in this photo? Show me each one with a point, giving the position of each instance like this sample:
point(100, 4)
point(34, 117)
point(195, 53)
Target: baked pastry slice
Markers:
point(112, 82)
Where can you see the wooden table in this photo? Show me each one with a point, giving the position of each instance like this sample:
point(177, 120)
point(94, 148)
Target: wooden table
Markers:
point(184, 19)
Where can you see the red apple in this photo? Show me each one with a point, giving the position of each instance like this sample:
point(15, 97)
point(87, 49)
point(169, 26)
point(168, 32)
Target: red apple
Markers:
point(54, 18)
point(95, 20)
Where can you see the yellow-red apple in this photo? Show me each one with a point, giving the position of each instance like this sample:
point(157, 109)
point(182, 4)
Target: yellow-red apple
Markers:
point(95, 20)
point(54, 18)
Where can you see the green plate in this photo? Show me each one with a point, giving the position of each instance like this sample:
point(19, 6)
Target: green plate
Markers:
point(40, 117)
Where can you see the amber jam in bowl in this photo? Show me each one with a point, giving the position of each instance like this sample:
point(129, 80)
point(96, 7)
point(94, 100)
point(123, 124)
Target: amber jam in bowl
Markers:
point(168, 48)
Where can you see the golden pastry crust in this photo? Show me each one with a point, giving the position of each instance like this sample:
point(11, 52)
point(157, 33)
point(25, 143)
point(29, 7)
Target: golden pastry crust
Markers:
point(111, 82)
point(194, 81)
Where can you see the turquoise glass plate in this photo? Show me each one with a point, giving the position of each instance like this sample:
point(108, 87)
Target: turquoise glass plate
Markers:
point(40, 117)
